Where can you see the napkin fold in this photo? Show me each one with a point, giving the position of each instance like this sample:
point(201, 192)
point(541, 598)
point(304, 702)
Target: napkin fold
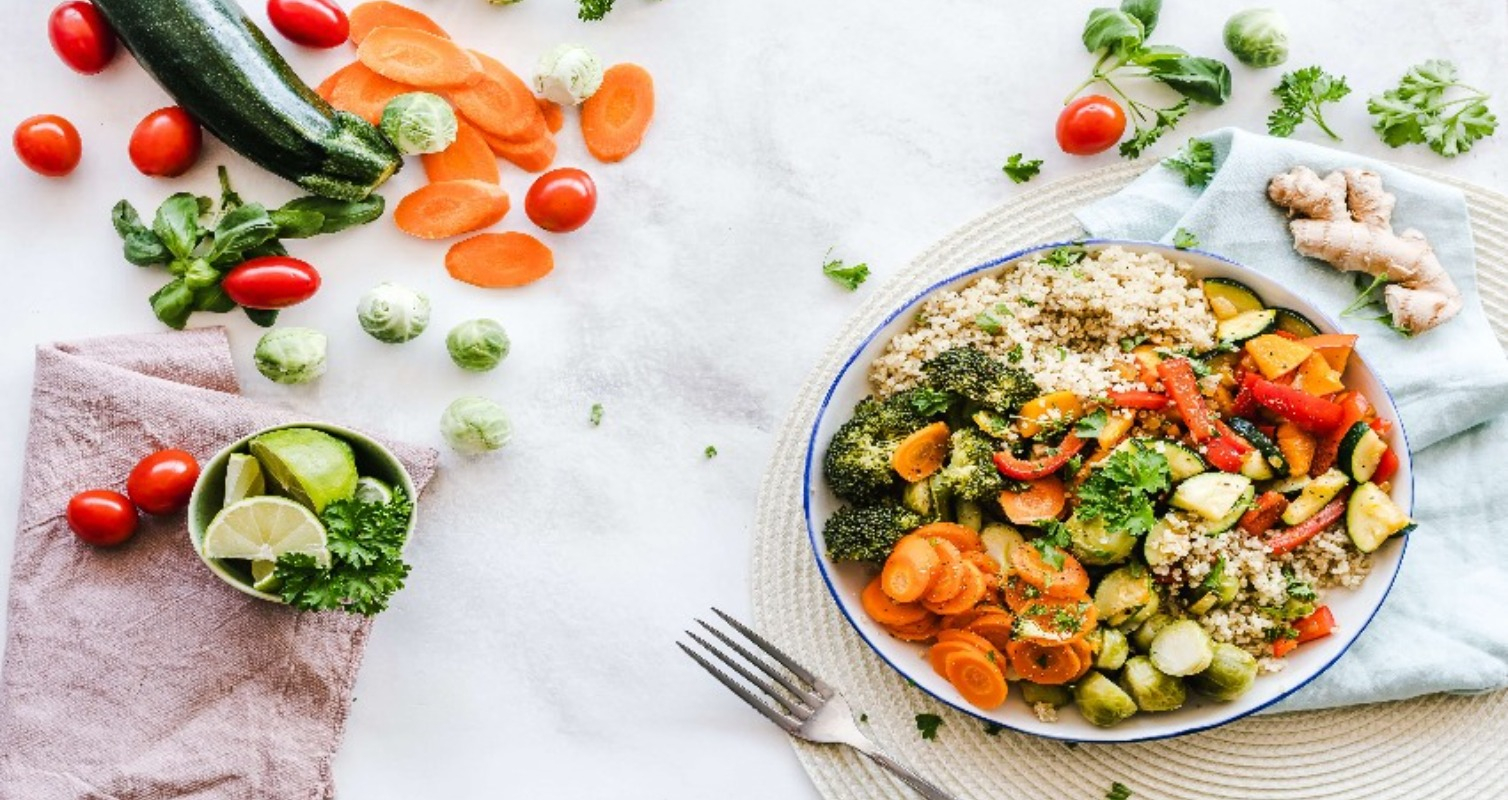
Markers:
point(134, 673)
point(1444, 627)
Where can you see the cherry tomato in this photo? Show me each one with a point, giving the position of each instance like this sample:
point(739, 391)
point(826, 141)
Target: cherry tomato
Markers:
point(561, 200)
point(271, 282)
point(81, 36)
point(312, 23)
point(48, 145)
point(101, 517)
point(1090, 125)
point(162, 482)
point(166, 143)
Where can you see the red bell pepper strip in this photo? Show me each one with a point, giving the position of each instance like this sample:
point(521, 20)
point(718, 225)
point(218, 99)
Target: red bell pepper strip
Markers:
point(1021, 470)
point(1225, 453)
point(1383, 427)
point(1153, 401)
point(1289, 539)
point(1316, 625)
point(1387, 467)
point(1177, 375)
point(1354, 408)
point(1282, 647)
point(1264, 514)
point(1245, 404)
point(1242, 446)
point(1313, 414)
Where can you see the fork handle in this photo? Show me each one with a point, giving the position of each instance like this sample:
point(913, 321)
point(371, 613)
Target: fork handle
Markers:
point(922, 786)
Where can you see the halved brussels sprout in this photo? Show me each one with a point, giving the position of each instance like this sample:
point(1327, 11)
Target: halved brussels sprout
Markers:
point(1142, 637)
point(1231, 672)
point(1122, 593)
point(1094, 544)
point(1182, 648)
point(1055, 696)
point(1113, 649)
point(1101, 702)
point(1150, 687)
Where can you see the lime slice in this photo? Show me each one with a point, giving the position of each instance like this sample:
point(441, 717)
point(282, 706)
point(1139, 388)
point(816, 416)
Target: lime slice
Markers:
point(262, 576)
point(311, 466)
point(243, 478)
point(371, 490)
point(263, 528)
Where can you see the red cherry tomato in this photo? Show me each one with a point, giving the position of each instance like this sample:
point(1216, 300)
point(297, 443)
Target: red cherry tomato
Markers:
point(1090, 125)
point(101, 517)
point(561, 200)
point(271, 282)
point(312, 23)
point(48, 145)
point(81, 36)
point(166, 143)
point(162, 482)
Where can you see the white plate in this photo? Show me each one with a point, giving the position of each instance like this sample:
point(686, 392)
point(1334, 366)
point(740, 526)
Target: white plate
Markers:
point(1353, 608)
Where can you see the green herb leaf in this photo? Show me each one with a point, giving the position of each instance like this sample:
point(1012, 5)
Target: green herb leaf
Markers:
point(1015, 354)
point(1063, 257)
point(591, 10)
point(1020, 170)
point(243, 228)
point(930, 402)
point(265, 317)
point(1090, 424)
point(928, 724)
point(1123, 489)
point(1118, 791)
point(229, 200)
point(1184, 239)
point(213, 299)
point(710, 452)
point(1216, 575)
point(1431, 106)
point(991, 729)
point(1166, 119)
point(596, 416)
point(200, 274)
point(849, 277)
point(173, 303)
point(177, 224)
point(1195, 162)
point(338, 214)
point(297, 224)
point(140, 245)
point(1145, 11)
point(1300, 94)
point(1112, 29)
point(1203, 80)
point(1054, 540)
point(992, 321)
point(366, 563)
point(1129, 343)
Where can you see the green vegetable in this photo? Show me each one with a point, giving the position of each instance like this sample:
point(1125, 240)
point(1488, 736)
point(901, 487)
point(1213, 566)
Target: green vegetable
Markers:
point(217, 65)
point(474, 425)
point(928, 724)
point(857, 463)
point(1118, 791)
point(1150, 687)
point(1184, 239)
point(568, 75)
point(1101, 702)
point(591, 10)
point(1055, 538)
point(710, 452)
point(1182, 648)
point(419, 122)
point(970, 472)
point(366, 559)
point(1195, 162)
point(392, 313)
point(477, 345)
point(291, 355)
point(1258, 37)
point(1431, 106)
point(849, 277)
point(1300, 94)
point(1123, 488)
point(970, 373)
point(1055, 696)
point(596, 416)
point(928, 401)
point(1113, 650)
point(1020, 170)
point(866, 533)
point(1230, 673)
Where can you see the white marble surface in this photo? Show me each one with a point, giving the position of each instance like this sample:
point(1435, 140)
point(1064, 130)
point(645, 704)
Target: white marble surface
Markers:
point(531, 655)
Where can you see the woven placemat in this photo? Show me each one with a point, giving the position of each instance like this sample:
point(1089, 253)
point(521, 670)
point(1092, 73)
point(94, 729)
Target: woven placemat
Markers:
point(1433, 747)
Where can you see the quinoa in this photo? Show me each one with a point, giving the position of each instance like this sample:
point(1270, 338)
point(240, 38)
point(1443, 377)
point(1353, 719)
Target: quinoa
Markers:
point(1063, 324)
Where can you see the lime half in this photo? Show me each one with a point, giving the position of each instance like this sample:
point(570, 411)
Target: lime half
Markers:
point(311, 466)
point(263, 579)
point(371, 490)
point(263, 528)
point(243, 478)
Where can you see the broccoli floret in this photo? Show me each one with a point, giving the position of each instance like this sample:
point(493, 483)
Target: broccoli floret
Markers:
point(857, 465)
point(973, 374)
point(971, 471)
point(867, 533)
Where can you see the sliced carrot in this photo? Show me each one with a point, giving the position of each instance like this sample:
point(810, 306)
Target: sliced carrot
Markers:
point(962, 619)
point(949, 578)
point(969, 594)
point(1019, 594)
point(499, 260)
point(964, 538)
point(916, 631)
point(1043, 499)
point(885, 611)
point(553, 114)
point(500, 104)
point(533, 155)
point(989, 566)
point(921, 454)
point(1051, 620)
point(451, 208)
point(909, 570)
point(1046, 665)
point(613, 120)
point(368, 17)
point(1068, 581)
point(938, 653)
point(994, 626)
point(468, 158)
point(1297, 447)
point(418, 58)
point(360, 91)
point(977, 678)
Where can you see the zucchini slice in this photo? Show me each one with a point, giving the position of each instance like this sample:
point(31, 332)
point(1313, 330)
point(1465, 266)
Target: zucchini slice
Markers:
point(1154, 549)
point(1290, 485)
point(1254, 466)
point(1238, 294)
point(1229, 521)
point(1372, 517)
point(1361, 450)
point(1264, 444)
point(1183, 462)
point(1246, 325)
point(1315, 496)
point(1214, 496)
point(1296, 323)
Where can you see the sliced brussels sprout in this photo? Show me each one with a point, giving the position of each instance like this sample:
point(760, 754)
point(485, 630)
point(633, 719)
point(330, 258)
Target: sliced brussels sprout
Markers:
point(1101, 702)
point(1231, 672)
point(1182, 648)
point(1150, 687)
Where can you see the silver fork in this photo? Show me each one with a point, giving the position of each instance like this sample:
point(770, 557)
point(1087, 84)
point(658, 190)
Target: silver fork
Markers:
point(808, 709)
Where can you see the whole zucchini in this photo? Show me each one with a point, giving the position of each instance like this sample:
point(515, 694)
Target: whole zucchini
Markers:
point(220, 67)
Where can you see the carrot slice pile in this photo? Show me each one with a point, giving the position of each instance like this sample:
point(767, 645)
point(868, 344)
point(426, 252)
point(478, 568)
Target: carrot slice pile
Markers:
point(1047, 665)
point(500, 103)
point(613, 120)
point(418, 58)
point(974, 666)
point(964, 538)
point(468, 158)
point(909, 570)
point(368, 17)
point(1044, 498)
point(531, 155)
point(499, 260)
point(1068, 581)
point(450, 208)
point(357, 89)
point(554, 116)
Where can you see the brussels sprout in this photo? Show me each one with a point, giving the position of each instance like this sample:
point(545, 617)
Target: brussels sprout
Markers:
point(474, 425)
point(1142, 637)
point(291, 355)
point(568, 75)
point(477, 345)
point(392, 313)
point(969, 514)
point(1122, 593)
point(1258, 37)
point(1229, 675)
point(1055, 696)
point(1182, 648)
point(1095, 544)
point(1113, 649)
point(1101, 702)
point(1142, 615)
point(419, 122)
point(999, 539)
point(1150, 687)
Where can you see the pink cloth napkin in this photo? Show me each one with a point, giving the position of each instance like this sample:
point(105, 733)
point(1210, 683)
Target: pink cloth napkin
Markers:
point(135, 673)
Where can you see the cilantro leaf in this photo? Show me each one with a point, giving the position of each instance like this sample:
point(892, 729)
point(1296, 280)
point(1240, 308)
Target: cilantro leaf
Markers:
point(1431, 106)
point(366, 559)
point(1063, 257)
point(928, 724)
point(1184, 239)
point(1122, 490)
point(1300, 94)
point(1166, 118)
point(1090, 424)
point(1195, 162)
point(1020, 170)
point(591, 10)
point(596, 415)
point(849, 277)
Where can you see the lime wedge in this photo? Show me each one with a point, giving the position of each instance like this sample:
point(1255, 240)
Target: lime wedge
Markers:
point(262, 576)
point(263, 528)
point(310, 466)
point(371, 490)
point(243, 478)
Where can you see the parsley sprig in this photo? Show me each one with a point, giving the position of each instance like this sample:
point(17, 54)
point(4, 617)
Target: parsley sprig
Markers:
point(1054, 540)
point(1431, 106)
point(366, 559)
point(1301, 94)
point(592, 10)
point(1020, 169)
point(849, 276)
point(1122, 490)
point(928, 725)
point(1195, 162)
point(1185, 239)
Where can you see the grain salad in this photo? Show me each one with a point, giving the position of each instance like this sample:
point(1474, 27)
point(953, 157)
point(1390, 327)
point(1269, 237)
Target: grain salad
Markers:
point(1098, 477)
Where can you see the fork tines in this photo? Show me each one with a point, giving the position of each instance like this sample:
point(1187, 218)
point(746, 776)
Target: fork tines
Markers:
point(800, 693)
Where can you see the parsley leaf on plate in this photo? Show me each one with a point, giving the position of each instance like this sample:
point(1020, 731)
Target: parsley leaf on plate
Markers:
point(1431, 106)
point(1122, 489)
point(1195, 161)
point(710, 452)
point(1021, 170)
point(1053, 541)
point(366, 559)
point(596, 416)
point(1184, 239)
point(847, 276)
point(590, 10)
point(928, 724)
point(1300, 94)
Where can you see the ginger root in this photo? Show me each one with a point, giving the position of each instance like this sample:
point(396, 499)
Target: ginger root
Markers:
point(1345, 219)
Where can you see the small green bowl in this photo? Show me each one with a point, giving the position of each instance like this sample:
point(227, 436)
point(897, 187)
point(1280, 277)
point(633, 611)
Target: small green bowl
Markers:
point(209, 494)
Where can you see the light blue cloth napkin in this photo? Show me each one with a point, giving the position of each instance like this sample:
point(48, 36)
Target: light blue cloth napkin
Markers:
point(1444, 628)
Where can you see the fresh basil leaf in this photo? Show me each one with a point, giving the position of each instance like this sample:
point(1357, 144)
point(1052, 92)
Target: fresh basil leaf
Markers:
point(1145, 11)
point(200, 274)
point(213, 298)
point(266, 317)
point(272, 247)
point(243, 228)
point(1112, 29)
point(1154, 53)
point(339, 214)
point(177, 224)
point(295, 224)
point(173, 304)
point(125, 219)
point(1203, 80)
point(144, 249)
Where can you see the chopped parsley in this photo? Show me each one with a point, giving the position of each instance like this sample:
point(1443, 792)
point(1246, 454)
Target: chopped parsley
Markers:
point(930, 402)
point(1129, 343)
point(592, 10)
point(1122, 490)
point(1184, 239)
point(1064, 257)
point(928, 724)
point(992, 321)
point(596, 415)
point(1195, 162)
point(710, 452)
point(1216, 577)
point(1062, 353)
point(1021, 170)
point(1297, 589)
point(1090, 424)
point(1052, 542)
point(847, 276)
point(1118, 791)
point(1015, 354)
point(1026, 301)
